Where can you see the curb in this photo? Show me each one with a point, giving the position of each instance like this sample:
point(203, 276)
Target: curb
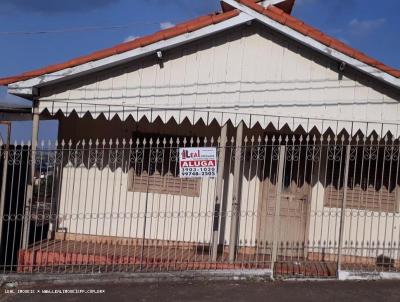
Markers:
point(13, 280)
point(363, 276)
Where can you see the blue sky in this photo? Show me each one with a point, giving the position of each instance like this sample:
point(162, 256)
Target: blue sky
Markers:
point(372, 27)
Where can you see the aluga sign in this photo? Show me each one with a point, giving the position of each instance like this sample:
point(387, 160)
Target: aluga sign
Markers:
point(197, 162)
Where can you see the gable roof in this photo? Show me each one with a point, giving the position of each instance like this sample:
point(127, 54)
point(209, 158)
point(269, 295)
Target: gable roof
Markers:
point(166, 34)
point(279, 14)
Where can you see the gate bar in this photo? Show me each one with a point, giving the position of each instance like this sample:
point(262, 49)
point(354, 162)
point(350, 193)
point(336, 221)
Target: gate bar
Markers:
point(236, 190)
point(343, 209)
point(218, 197)
point(281, 170)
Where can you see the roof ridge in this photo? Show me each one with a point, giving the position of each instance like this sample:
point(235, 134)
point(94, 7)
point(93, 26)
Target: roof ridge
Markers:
point(285, 5)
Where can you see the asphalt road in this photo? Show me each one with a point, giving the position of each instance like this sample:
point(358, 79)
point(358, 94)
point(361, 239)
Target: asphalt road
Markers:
point(290, 291)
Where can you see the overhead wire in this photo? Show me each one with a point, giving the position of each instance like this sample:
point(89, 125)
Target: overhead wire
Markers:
point(78, 29)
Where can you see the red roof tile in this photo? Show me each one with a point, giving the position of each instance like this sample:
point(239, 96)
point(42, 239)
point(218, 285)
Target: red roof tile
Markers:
point(279, 13)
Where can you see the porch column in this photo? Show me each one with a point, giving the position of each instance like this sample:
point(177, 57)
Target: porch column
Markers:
point(236, 194)
point(343, 209)
point(218, 194)
point(31, 179)
point(6, 151)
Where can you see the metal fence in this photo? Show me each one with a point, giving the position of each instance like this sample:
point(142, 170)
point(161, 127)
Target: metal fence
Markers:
point(299, 205)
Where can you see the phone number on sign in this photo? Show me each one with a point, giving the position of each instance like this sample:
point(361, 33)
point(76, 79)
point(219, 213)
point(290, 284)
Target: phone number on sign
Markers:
point(199, 172)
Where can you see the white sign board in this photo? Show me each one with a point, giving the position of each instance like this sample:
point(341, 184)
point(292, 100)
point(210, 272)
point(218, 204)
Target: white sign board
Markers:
point(197, 162)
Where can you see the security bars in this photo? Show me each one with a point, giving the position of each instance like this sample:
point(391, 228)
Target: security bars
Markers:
point(308, 206)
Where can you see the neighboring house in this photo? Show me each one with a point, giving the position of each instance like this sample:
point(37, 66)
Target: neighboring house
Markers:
point(250, 66)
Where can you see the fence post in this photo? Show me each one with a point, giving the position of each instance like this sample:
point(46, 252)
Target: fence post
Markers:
point(281, 167)
point(4, 178)
point(343, 209)
point(218, 194)
point(31, 179)
point(236, 192)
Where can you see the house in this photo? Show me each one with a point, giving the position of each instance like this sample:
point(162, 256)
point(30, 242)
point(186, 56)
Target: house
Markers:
point(306, 130)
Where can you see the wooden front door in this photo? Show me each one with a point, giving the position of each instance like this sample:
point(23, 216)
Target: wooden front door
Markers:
point(293, 215)
point(291, 222)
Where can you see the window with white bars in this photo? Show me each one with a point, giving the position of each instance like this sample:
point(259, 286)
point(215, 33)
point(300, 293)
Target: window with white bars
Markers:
point(164, 184)
point(154, 167)
point(373, 180)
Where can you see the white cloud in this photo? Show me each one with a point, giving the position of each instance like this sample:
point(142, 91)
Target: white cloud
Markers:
point(9, 100)
point(167, 24)
point(130, 38)
point(361, 27)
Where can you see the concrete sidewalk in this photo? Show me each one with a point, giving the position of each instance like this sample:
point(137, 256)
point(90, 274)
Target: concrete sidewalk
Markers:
point(290, 291)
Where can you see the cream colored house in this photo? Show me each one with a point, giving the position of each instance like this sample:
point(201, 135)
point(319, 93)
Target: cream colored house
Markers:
point(249, 75)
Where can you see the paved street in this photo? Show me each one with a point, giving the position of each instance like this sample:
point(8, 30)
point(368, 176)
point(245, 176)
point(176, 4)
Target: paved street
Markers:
point(220, 291)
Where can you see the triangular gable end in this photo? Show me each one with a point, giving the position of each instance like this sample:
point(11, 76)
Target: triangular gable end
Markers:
point(295, 29)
